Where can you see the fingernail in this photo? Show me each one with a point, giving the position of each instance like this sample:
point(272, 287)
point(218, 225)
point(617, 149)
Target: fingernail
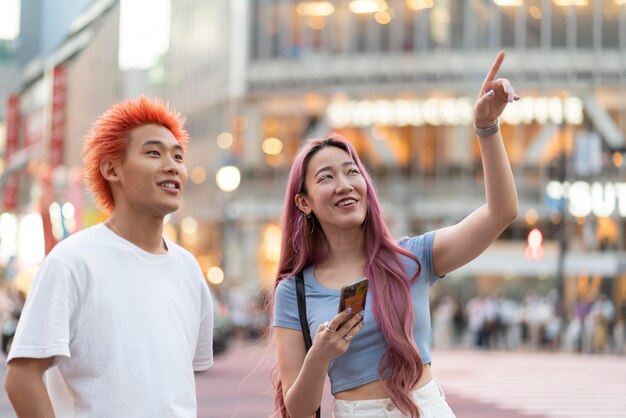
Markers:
point(510, 99)
point(349, 310)
point(362, 313)
point(490, 93)
point(508, 90)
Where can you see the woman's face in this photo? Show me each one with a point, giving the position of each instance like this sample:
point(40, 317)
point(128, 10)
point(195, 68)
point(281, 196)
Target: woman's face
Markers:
point(336, 190)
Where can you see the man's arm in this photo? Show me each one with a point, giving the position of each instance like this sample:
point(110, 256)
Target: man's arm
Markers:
point(24, 385)
point(203, 359)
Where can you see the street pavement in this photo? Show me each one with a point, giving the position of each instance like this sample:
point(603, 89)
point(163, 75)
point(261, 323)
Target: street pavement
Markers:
point(5, 407)
point(478, 384)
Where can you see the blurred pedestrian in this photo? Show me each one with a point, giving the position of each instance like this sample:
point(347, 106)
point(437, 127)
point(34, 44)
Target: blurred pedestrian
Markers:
point(476, 320)
point(619, 331)
point(602, 313)
point(119, 317)
point(239, 306)
point(574, 333)
point(443, 323)
point(334, 233)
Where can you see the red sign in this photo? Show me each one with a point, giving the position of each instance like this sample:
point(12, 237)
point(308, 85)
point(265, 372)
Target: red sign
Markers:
point(33, 130)
point(9, 196)
point(45, 200)
point(59, 100)
point(534, 247)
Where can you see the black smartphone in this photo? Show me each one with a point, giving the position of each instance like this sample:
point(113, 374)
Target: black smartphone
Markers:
point(354, 296)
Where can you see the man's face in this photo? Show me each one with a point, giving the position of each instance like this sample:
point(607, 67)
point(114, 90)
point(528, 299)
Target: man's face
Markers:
point(152, 173)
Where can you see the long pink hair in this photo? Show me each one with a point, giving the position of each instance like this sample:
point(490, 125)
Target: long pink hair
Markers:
point(400, 368)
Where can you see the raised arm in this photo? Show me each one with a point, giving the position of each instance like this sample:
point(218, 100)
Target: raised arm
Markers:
point(456, 245)
point(25, 387)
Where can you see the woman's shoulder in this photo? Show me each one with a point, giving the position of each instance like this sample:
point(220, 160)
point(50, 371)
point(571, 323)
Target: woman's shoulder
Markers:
point(418, 244)
point(286, 287)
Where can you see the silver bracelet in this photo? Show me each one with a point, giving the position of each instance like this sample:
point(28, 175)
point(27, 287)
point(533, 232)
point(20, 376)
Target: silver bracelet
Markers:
point(488, 131)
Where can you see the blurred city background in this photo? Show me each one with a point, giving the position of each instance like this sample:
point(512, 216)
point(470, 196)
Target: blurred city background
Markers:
point(396, 77)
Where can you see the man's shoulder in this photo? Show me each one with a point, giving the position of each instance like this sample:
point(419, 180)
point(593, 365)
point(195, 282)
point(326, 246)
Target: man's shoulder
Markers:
point(78, 243)
point(180, 251)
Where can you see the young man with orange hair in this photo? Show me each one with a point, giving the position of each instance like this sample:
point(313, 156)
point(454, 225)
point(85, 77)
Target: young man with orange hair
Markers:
point(119, 317)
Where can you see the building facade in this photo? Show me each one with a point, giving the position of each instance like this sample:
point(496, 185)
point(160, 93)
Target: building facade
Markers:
point(398, 78)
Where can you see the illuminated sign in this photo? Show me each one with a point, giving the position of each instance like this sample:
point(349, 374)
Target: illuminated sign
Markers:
point(584, 199)
point(534, 245)
point(450, 111)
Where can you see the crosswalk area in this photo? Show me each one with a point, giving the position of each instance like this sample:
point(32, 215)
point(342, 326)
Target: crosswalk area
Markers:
point(478, 384)
point(551, 385)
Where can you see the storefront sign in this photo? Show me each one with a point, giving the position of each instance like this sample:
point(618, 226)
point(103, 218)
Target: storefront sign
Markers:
point(59, 100)
point(451, 111)
point(584, 199)
point(10, 193)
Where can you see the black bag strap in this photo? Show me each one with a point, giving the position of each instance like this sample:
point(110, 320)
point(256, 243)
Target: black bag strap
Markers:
point(306, 333)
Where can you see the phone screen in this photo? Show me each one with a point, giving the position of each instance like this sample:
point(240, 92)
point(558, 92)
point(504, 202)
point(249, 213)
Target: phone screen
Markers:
point(354, 296)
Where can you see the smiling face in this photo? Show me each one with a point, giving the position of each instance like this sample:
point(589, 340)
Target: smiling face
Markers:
point(336, 192)
point(151, 176)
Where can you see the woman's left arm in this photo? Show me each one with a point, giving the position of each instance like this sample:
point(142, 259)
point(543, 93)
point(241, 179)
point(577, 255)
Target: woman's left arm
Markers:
point(456, 245)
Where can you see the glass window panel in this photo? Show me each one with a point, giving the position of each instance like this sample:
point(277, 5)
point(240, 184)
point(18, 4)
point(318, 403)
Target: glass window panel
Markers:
point(457, 9)
point(361, 32)
point(584, 26)
point(294, 38)
point(483, 14)
point(382, 32)
point(533, 24)
point(559, 26)
point(287, 15)
point(339, 23)
point(610, 23)
point(439, 24)
point(507, 25)
point(410, 24)
point(255, 31)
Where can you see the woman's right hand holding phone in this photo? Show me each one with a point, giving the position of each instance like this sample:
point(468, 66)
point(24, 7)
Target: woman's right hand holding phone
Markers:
point(333, 337)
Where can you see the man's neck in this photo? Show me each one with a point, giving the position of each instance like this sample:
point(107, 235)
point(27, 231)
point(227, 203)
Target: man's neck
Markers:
point(145, 232)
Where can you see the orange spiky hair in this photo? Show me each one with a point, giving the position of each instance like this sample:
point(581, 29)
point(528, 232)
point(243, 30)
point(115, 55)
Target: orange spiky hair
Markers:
point(108, 137)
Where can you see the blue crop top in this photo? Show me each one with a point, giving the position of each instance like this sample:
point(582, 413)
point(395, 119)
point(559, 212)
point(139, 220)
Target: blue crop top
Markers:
point(359, 365)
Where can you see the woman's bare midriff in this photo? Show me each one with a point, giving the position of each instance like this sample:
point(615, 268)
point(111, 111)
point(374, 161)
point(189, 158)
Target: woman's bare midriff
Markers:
point(375, 390)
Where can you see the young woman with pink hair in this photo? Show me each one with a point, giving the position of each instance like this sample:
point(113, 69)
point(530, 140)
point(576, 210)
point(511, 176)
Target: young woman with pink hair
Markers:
point(333, 234)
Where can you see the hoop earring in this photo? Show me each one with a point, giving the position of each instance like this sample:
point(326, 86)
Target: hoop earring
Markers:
point(312, 219)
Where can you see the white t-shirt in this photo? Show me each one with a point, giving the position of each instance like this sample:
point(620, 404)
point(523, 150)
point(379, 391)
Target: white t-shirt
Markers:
point(126, 328)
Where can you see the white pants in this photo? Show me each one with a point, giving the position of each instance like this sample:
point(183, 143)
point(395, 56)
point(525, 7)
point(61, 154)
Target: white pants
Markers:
point(429, 398)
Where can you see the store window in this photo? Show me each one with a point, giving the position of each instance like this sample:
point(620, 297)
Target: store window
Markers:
point(439, 25)
point(264, 42)
point(508, 26)
point(484, 14)
point(340, 31)
point(534, 17)
point(612, 15)
point(559, 26)
point(584, 27)
point(419, 35)
point(457, 24)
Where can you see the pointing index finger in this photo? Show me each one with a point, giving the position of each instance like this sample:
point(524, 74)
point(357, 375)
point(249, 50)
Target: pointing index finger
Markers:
point(495, 67)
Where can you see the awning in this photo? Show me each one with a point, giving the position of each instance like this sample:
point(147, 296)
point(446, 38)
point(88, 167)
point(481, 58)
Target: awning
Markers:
point(509, 259)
